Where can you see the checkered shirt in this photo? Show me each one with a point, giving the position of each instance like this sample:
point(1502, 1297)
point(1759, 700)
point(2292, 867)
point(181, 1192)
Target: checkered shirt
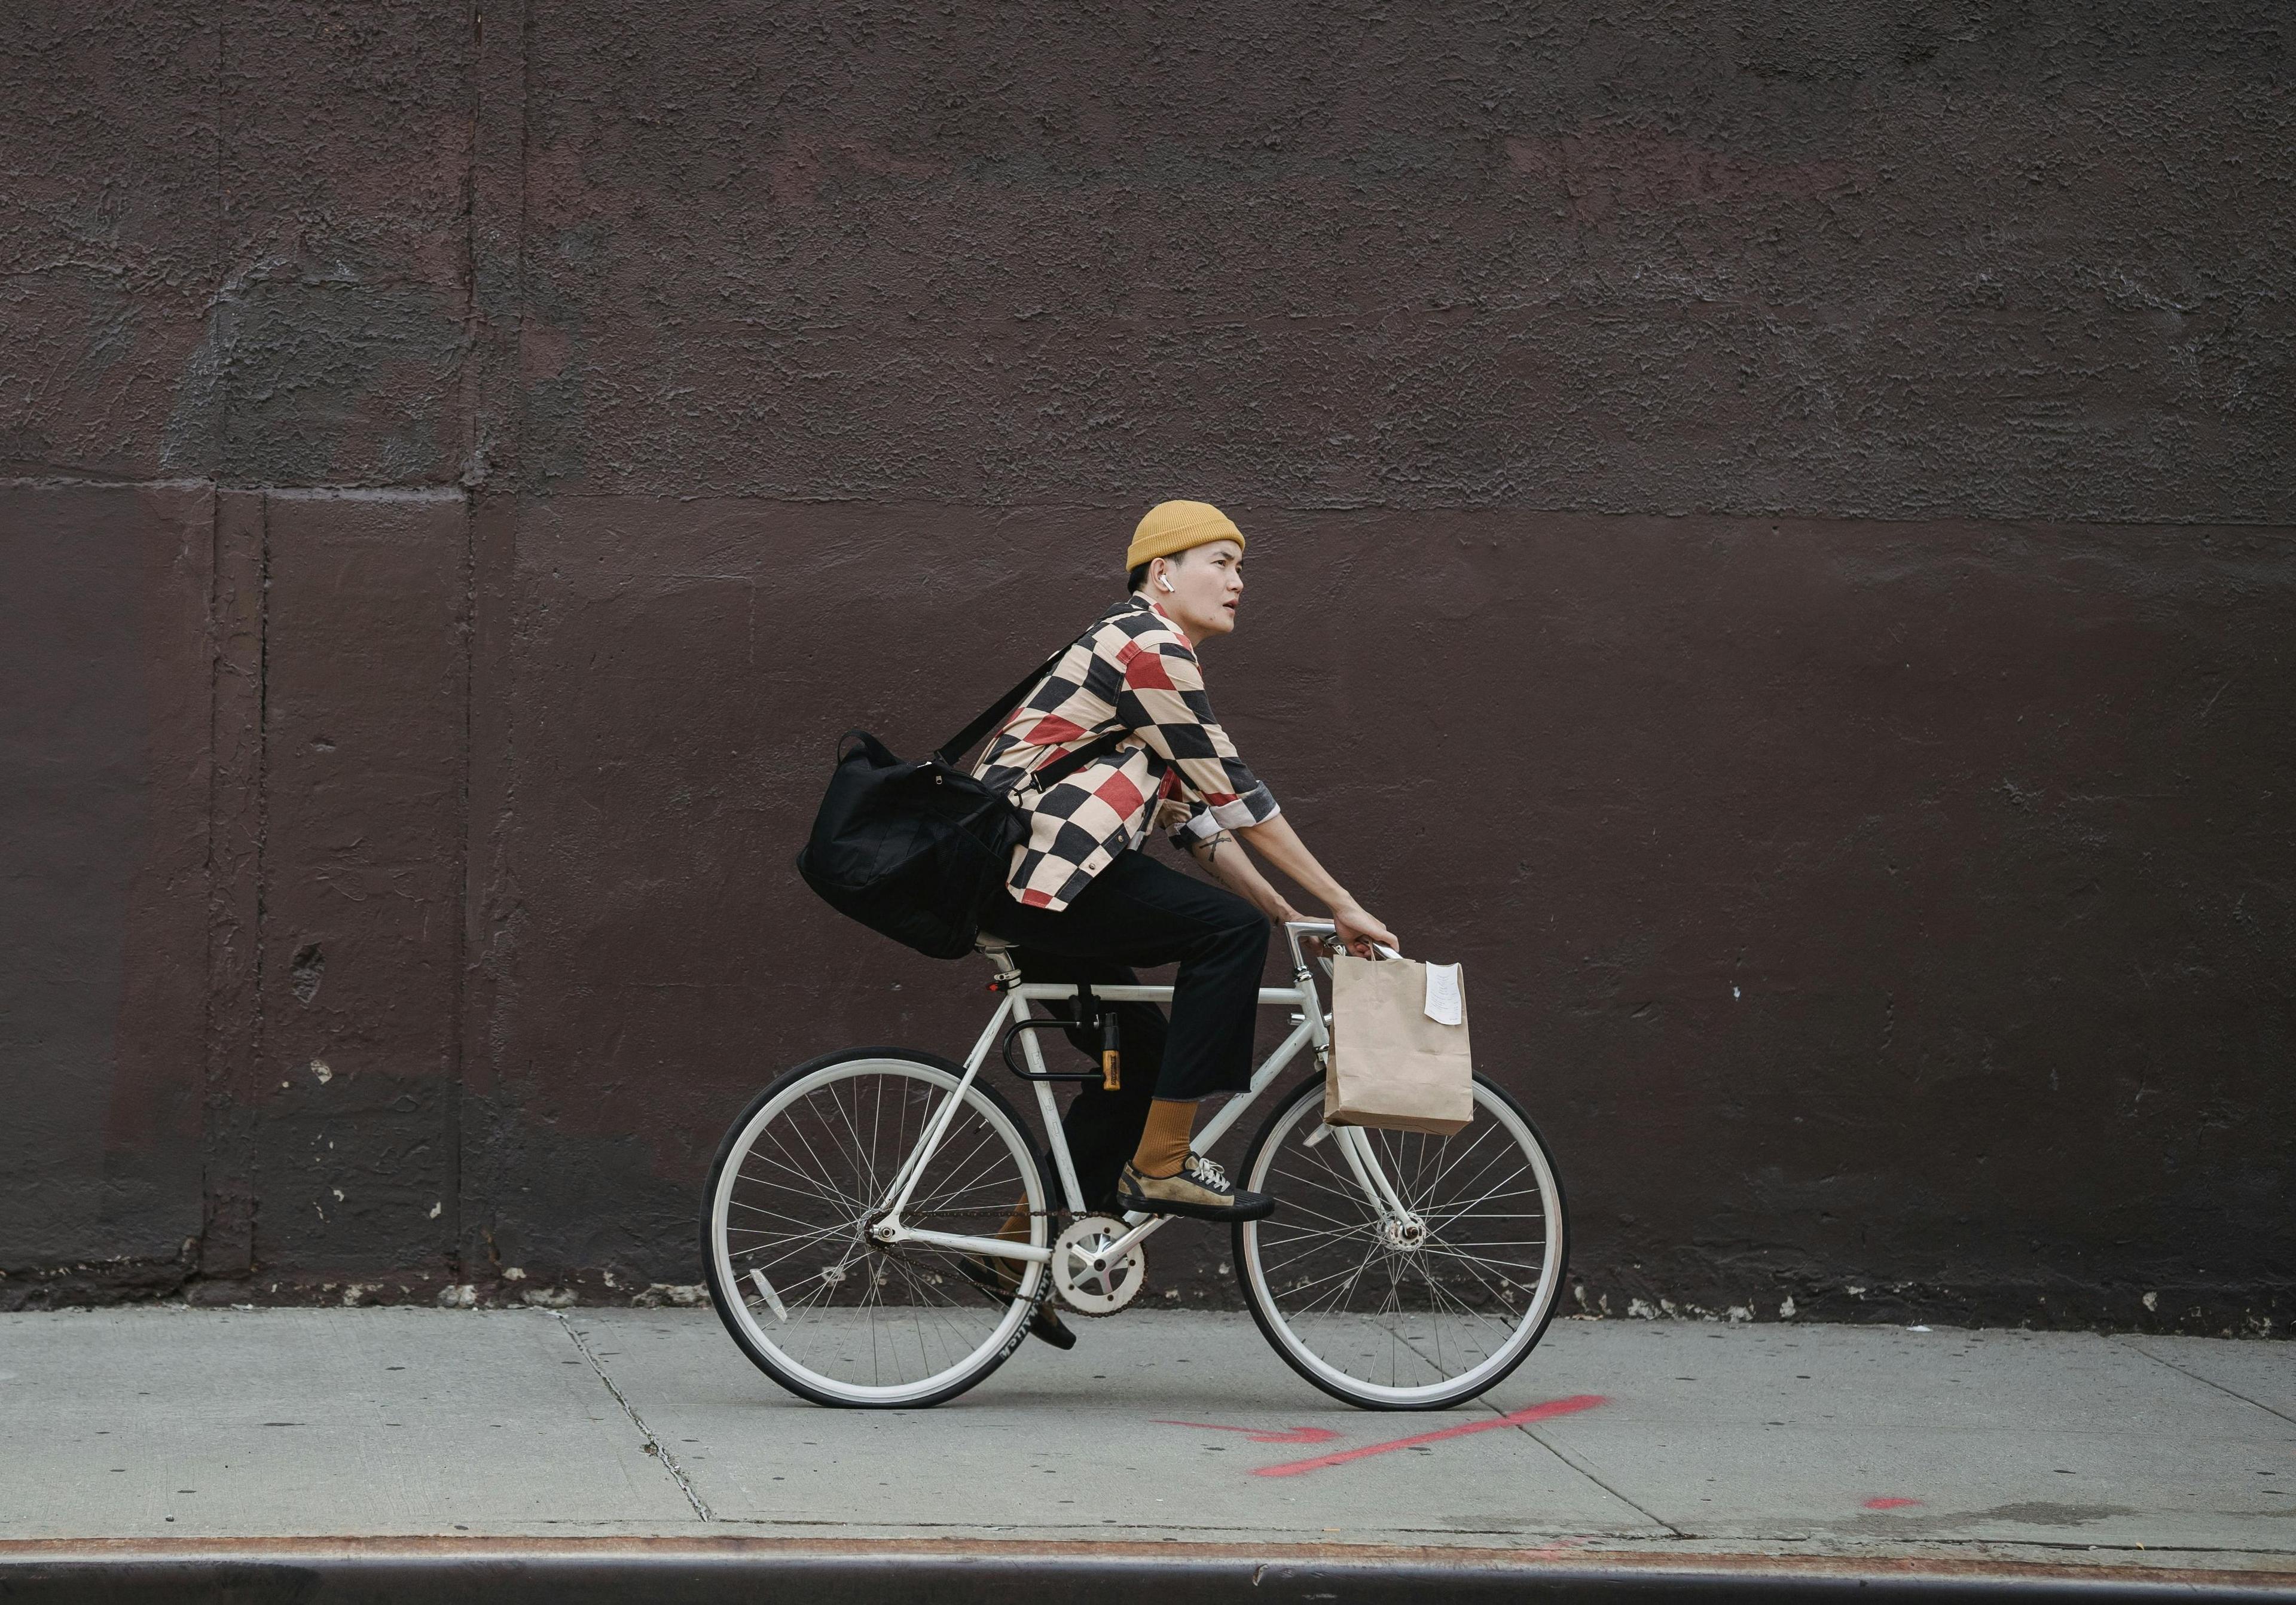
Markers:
point(1133, 671)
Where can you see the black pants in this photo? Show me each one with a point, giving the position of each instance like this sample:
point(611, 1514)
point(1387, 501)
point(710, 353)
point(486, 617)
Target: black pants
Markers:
point(1139, 911)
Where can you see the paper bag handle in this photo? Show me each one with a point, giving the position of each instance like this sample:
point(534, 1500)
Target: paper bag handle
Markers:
point(1331, 943)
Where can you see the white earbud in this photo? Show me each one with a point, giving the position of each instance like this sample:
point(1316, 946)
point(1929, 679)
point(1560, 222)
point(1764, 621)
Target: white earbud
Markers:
point(1164, 580)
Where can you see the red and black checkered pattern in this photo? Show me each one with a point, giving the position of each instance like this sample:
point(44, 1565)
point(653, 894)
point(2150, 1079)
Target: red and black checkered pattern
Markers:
point(1133, 672)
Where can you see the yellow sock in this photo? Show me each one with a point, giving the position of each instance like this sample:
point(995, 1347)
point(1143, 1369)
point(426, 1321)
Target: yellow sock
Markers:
point(1164, 1140)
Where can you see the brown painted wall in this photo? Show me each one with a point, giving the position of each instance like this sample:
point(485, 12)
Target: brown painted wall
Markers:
point(1775, 538)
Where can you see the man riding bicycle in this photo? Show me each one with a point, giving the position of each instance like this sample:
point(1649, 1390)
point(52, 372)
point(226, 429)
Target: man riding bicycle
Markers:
point(846, 1229)
point(1084, 904)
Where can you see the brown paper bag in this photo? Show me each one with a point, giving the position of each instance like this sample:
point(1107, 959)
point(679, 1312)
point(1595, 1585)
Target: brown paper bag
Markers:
point(1391, 1065)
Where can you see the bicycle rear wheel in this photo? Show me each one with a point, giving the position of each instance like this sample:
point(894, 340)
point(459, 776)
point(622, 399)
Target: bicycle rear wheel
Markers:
point(1414, 1314)
point(816, 1302)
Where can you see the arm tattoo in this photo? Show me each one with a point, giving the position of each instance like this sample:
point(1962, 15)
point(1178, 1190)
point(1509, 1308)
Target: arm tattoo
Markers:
point(1211, 848)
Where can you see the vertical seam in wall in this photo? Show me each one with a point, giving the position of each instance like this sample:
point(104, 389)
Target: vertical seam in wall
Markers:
point(221, 410)
point(261, 933)
point(467, 389)
point(209, 1103)
point(517, 250)
point(472, 400)
point(459, 1033)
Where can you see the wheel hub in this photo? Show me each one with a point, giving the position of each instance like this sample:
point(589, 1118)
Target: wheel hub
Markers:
point(1409, 1232)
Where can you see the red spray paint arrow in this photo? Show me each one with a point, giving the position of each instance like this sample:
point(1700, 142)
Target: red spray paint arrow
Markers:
point(1537, 1413)
point(1260, 1435)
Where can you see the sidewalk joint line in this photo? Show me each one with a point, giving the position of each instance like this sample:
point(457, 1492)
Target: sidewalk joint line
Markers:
point(1580, 1466)
point(2128, 1341)
point(660, 1452)
point(1528, 1428)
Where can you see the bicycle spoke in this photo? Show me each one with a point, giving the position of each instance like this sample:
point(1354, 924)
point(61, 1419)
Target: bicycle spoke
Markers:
point(1468, 1259)
point(1345, 1281)
point(1451, 1162)
point(1352, 1194)
point(828, 1182)
point(867, 1161)
point(790, 1245)
point(1344, 1229)
point(815, 1186)
point(749, 1208)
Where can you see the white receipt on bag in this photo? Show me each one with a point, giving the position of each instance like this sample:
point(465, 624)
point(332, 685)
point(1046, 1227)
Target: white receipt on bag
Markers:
point(1445, 1006)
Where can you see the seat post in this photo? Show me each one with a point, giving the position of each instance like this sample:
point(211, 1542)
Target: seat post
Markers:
point(999, 954)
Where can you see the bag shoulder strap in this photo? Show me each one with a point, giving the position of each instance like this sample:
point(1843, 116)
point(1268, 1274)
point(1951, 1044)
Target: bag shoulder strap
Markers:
point(965, 739)
point(1052, 773)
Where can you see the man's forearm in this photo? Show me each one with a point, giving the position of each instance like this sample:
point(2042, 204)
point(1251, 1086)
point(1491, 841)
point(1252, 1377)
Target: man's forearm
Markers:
point(1228, 863)
point(1277, 842)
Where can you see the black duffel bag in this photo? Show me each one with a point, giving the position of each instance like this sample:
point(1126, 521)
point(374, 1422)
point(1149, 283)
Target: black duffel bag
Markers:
point(914, 851)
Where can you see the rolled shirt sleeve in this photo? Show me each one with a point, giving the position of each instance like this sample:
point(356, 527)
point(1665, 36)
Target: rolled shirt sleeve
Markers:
point(1199, 826)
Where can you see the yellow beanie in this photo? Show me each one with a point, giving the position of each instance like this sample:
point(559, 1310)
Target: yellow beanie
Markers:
point(1174, 527)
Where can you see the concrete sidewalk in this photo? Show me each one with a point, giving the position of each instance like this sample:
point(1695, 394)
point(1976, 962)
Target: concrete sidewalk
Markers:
point(1659, 1438)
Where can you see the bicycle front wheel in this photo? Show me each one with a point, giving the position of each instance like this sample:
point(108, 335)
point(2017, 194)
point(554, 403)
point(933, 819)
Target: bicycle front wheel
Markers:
point(816, 1302)
point(1403, 1313)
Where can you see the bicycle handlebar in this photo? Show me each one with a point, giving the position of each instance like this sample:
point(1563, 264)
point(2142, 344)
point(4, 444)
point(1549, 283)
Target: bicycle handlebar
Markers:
point(1294, 929)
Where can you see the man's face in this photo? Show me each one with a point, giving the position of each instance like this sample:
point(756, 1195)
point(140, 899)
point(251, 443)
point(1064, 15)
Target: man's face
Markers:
point(1207, 584)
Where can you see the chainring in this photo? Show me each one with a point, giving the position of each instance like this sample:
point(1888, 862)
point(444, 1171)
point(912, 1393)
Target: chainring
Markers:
point(1101, 1289)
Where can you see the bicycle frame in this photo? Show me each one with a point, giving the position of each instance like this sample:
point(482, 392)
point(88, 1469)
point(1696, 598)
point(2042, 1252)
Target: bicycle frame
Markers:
point(1309, 1028)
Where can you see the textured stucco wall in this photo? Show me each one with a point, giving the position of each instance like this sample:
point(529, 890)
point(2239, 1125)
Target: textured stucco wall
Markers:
point(1774, 541)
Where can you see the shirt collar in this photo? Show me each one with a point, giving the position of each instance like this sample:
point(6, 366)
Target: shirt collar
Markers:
point(1157, 609)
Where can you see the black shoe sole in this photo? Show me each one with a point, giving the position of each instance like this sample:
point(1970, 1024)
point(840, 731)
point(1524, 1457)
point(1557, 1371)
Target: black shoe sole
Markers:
point(1200, 1212)
point(1044, 1326)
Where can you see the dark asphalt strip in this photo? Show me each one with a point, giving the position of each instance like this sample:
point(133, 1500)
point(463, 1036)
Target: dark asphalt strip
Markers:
point(679, 1571)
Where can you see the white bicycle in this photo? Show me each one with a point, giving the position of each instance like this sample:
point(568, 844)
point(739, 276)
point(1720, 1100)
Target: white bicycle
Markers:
point(851, 1225)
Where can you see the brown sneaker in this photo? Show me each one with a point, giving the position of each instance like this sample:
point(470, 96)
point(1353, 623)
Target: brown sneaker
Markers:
point(1199, 1189)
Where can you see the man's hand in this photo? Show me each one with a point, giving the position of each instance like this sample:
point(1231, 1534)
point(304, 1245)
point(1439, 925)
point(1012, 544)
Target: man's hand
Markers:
point(1359, 930)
